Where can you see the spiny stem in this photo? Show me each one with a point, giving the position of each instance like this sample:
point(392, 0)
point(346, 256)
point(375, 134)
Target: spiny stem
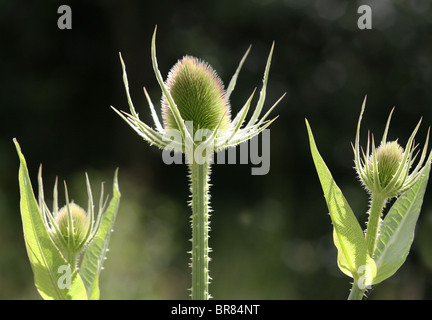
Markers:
point(375, 213)
point(356, 292)
point(199, 175)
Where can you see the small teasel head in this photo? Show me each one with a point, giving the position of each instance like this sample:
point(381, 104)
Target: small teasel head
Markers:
point(73, 224)
point(385, 170)
point(71, 228)
point(199, 95)
point(388, 157)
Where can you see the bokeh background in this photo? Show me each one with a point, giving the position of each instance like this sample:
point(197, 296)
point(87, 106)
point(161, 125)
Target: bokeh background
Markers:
point(271, 235)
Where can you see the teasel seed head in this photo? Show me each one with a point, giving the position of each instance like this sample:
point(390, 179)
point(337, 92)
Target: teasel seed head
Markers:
point(199, 94)
point(194, 94)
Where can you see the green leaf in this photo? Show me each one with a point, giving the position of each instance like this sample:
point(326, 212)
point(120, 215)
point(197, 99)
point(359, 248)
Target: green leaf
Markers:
point(52, 273)
point(95, 254)
point(353, 259)
point(397, 230)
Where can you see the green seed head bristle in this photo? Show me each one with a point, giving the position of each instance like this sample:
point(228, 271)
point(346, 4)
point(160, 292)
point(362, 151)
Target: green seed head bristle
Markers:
point(199, 95)
point(388, 155)
point(80, 222)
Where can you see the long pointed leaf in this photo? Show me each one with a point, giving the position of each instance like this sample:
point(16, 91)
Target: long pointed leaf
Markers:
point(95, 254)
point(348, 235)
point(397, 230)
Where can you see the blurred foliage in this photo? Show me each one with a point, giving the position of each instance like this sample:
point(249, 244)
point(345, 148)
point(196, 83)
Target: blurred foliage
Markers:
point(272, 241)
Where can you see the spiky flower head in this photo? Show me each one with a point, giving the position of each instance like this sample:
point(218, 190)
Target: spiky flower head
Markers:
point(71, 228)
point(199, 95)
point(385, 170)
point(72, 218)
point(389, 156)
point(193, 93)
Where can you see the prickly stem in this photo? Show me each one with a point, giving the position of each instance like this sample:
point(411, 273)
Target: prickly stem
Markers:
point(199, 186)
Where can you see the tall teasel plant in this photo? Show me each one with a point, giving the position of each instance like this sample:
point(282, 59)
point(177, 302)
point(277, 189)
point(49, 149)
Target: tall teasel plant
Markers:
point(66, 247)
point(388, 171)
point(197, 122)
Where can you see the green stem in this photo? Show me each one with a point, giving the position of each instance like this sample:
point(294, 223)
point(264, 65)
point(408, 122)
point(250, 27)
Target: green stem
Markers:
point(356, 292)
point(71, 257)
point(199, 175)
point(375, 213)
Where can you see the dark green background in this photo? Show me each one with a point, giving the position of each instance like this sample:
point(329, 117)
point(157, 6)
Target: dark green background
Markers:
point(271, 235)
